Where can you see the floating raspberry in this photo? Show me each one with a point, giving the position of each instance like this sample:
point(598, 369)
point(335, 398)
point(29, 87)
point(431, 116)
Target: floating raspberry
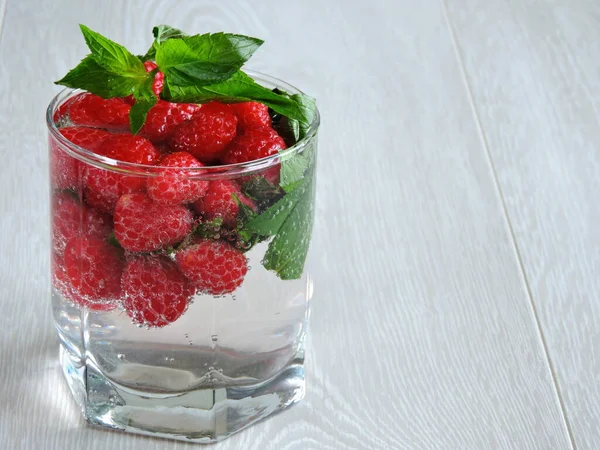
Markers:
point(64, 169)
point(102, 188)
point(218, 202)
point(94, 268)
point(207, 134)
point(164, 118)
point(62, 283)
point(94, 111)
point(173, 186)
point(214, 267)
point(256, 143)
point(144, 226)
point(71, 219)
point(156, 293)
point(251, 115)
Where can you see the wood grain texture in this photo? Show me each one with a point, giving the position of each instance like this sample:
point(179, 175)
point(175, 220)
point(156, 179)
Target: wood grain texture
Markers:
point(422, 335)
point(534, 79)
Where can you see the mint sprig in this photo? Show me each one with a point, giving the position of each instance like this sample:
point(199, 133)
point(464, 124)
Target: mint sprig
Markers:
point(204, 59)
point(198, 69)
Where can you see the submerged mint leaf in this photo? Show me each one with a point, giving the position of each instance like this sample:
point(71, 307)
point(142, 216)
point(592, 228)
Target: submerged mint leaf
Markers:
point(204, 59)
point(112, 56)
point(287, 251)
point(144, 101)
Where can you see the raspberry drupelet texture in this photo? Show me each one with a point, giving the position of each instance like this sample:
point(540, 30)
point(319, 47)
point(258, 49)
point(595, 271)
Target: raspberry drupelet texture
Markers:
point(207, 134)
point(214, 267)
point(156, 293)
point(64, 169)
point(164, 117)
point(94, 268)
point(71, 219)
point(102, 188)
point(142, 225)
point(251, 115)
point(173, 186)
point(94, 111)
point(218, 202)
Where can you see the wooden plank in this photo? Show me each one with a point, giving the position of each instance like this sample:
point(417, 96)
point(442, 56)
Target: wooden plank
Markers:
point(533, 71)
point(422, 334)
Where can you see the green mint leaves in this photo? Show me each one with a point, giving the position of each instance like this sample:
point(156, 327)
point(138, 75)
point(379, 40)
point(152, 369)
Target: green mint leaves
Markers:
point(112, 71)
point(204, 59)
point(288, 220)
point(197, 69)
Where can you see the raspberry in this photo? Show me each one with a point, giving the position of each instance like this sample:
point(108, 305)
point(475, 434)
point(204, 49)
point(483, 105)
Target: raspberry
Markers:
point(214, 267)
point(156, 293)
point(94, 268)
point(144, 226)
point(61, 282)
point(71, 219)
point(251, 115)
point(91, 110)
point(173, 186)
point(164, 117)
point(103, 188)
point(64, 169)
point(256, 143)
point(207, 134)
point(159, 78)
point(129, 148)
point(219, 202)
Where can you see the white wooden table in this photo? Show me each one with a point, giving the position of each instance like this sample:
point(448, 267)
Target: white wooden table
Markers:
point(457, 249)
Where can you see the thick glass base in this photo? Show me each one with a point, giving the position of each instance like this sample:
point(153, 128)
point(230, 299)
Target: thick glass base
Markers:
point(203, 415)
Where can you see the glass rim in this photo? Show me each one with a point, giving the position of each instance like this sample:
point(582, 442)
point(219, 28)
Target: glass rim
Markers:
point(226, 170)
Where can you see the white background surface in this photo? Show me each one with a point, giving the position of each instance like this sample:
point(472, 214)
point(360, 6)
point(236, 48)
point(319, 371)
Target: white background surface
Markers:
point(457, 250)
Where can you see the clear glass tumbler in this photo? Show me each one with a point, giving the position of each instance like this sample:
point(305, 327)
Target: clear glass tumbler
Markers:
point(143, 348)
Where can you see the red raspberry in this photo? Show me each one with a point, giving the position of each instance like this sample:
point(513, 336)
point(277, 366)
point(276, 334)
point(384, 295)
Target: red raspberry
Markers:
point(252, 115)
point(94, 268)
point(144, 226)
point(207, 134)
point(71, 219)
point(164, 117)
point(214, 267)
point(62, 283)
point(173, 186)
point(103, 188)
point(91, 110)
point(256, 143)
point(159, 78)
point(64, 169)
point(156, 293)
point(219, 202)
point(129, 148)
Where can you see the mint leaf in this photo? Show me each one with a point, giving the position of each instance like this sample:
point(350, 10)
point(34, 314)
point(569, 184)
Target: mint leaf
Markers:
point(109, 71)
point(262, 192)
point(242, 88)
point(92, 77)
point(204, 59)
point(287, 251)
point(144, 101)
point(161, 34)
point(292, 170)
point(112, 56)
